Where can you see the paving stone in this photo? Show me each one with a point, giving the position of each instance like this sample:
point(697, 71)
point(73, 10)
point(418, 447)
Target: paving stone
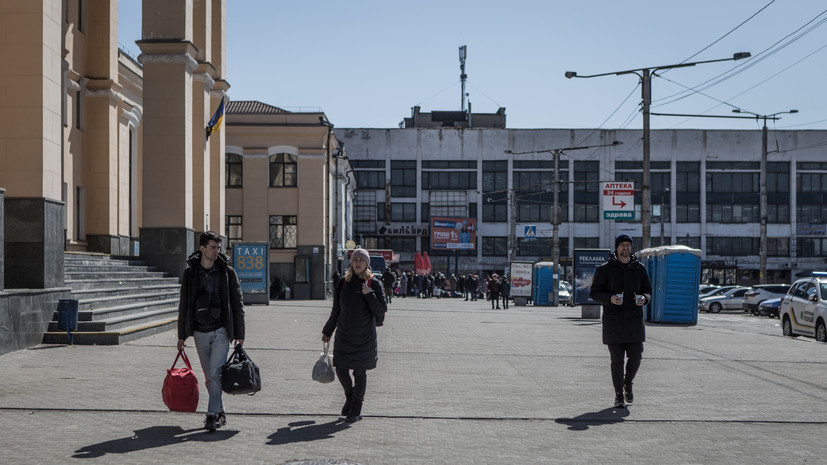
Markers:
point(457, 383)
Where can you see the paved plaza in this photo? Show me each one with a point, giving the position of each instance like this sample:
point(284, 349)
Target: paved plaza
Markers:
point(457, 383)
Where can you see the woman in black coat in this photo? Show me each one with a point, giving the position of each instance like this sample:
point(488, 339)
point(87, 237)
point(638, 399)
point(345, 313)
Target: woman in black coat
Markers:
point(358, 308)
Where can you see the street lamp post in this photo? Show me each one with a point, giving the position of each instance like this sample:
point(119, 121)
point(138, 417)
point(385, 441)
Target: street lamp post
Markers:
point(555, 216)
point(762, 273)
point(645, 75)
point(663, 194)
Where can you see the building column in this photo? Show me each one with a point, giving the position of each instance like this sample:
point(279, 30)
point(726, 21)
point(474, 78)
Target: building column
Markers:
point(167, 236)
point(101, 156)
point(31, 144)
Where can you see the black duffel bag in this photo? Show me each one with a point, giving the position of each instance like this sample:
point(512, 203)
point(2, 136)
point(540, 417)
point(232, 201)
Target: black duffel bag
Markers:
point(240, 375)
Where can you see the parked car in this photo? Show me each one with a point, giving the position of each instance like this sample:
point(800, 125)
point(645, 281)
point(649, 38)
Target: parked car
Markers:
point(770, 307)
point(707, 288)
point(762, 292)
point(730, 299)
point(718, 291)
point(803, 309)
point(564, 294)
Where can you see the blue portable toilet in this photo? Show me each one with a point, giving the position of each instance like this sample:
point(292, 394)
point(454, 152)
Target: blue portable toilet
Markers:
point(544, 282)
point(648, 257)
point(675, 272)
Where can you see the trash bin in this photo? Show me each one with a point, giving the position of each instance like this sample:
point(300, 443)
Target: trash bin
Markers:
point(67, 314)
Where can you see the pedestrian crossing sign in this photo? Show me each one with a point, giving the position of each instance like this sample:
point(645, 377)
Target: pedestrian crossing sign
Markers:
point(530, 232)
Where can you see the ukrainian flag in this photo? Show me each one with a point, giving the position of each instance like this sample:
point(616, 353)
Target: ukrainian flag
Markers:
point(215, 122)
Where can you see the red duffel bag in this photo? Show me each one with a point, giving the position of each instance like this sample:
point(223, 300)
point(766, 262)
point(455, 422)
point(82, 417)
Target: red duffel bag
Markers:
point(180, 389)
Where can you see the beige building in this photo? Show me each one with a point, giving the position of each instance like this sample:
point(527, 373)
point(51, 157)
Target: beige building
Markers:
point(282, 188)
point(104, 152)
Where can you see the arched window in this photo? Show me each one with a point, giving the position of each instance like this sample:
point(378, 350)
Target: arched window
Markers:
point(234, 170)
point(283, 170)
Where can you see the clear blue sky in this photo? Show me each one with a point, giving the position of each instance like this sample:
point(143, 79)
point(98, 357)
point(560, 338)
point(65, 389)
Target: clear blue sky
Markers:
point(366, 63)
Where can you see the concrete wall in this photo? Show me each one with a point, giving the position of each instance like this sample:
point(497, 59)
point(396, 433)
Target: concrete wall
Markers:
point(25, 316)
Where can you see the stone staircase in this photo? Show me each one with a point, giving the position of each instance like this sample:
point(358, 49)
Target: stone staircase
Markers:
point(119, 300)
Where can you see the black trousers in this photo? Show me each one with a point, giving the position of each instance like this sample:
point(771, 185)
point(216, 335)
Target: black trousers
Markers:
point(633, 352)
point(355, 387)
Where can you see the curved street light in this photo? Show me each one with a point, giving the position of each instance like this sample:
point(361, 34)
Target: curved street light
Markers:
point(645, 75)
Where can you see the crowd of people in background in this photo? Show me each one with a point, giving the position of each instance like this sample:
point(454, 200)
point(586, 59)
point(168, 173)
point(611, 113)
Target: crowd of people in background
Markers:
point(493, 288)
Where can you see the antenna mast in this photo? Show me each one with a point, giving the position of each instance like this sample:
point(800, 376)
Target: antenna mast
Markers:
point(462, 75)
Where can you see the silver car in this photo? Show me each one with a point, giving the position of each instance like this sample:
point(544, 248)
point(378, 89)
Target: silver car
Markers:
point(731, 299)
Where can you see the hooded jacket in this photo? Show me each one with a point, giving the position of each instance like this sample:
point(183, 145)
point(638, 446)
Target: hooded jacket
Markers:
point(229, 291)
point(354, 318)
point(621, 323)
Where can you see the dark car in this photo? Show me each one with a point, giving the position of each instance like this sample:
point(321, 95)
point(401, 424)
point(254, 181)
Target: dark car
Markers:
point(770, 307)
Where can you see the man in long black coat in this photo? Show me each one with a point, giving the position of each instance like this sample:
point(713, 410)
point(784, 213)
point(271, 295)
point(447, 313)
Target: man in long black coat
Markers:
point(622, 286)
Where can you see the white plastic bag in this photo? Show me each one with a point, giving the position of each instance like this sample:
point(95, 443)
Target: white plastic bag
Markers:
point(323, 369)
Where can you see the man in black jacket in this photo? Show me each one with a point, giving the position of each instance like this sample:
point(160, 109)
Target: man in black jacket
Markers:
point(211, 310)
point(622, 286)
point(388, 282)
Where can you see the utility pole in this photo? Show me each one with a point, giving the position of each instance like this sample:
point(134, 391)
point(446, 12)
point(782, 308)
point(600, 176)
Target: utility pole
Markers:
point(762, 271)
point(646, 188)
point(512, 225)
point(665, 192)
point(555, 221)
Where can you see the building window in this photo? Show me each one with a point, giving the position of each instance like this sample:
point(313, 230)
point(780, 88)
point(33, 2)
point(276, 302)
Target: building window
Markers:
point(688, 192)
point(494, 176)
point(364, 212)
point(689, 241)
point(403, 244)
point(586, 243)
point(812, 247)
point(403, 178)
point(283, 231)
point(586, 191)
point(732, 246)
point(234, 170)
point(370, 179)
point(732, 196)
point(778, 246)
point(78, 110)
point(495, 208)
point(536, 247)
point(403, 212)
point(233, 229)
point(451, 204)
point(283, 170)
point(494, 246)
point(811, 193)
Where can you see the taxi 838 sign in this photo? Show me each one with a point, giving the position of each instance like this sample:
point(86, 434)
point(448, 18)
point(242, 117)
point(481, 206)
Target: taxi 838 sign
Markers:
point(250, 263)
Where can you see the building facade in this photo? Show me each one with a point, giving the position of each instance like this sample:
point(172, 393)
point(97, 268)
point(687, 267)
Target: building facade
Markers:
point(100, 151)
point(288, 183)
point(706, 183)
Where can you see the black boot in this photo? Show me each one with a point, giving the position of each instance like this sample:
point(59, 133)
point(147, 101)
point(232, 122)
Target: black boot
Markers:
point(348, 404)
point(630, 396)
point(619, 400)
point(355, 413)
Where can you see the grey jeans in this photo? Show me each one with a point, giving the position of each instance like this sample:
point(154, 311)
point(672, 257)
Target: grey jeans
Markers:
point(213, 348)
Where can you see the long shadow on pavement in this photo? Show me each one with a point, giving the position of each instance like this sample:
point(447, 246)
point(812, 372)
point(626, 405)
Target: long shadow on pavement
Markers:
point(147, 438)
point(304, 431)
point(607, 416)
